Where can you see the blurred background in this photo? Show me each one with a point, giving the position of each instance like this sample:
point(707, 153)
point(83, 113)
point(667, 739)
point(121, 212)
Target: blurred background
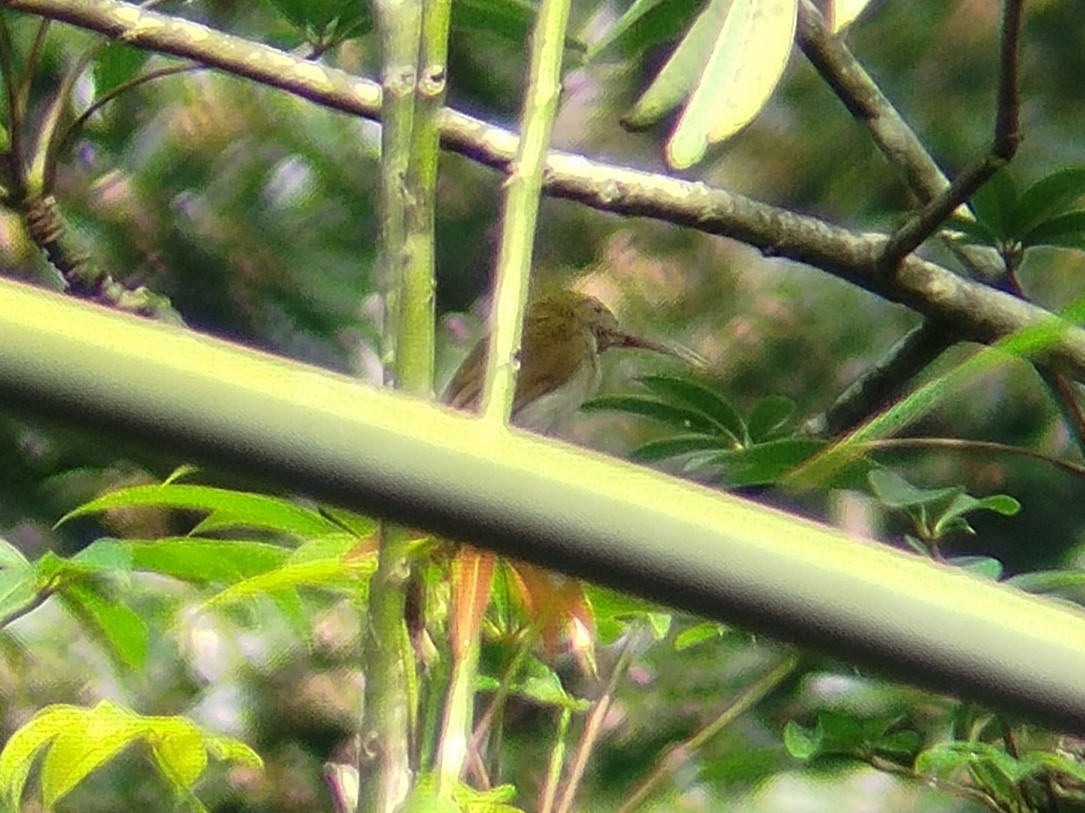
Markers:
point(254, 212)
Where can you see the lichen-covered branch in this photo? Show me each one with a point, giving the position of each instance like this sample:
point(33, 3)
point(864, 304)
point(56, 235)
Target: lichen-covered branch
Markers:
point(978, 312)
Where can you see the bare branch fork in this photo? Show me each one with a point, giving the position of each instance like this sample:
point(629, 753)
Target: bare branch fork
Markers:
point(979, 312)
point(883, 382)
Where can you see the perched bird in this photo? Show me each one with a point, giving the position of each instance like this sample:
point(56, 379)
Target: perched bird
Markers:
point(564, 333)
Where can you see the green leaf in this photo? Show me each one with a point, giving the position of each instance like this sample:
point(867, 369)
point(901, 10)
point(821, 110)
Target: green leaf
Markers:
point(1049, 196)
point(994, 205)
point(511, 20)
point(769, 416)
point(11, 557)
point(676, 416)
point(329, 546)
point(546, 689)
point(201, 561)
point(228, 508)
point(841, 733)
point(917, 545)
point(952, 517)
point(91, 740)
point(895, 492)
point(802, 742)
point(358, 524)
point(18, 590)
point(1000, 504)
point(983, 566)
point(607, 603)
point(331, 573)
point(19, 586)
point(698, 634)
point(320, 16)
point(1066, 230)
point(227, 749)
point(659, 624)
point(678, 445)
point(1038, 762)
point(701, 399)
point(424, 798)
point(766, 463)
point(644, 24)
point(1049, 581)
point(116, 64)
point(948, 758)
point(81, 740)
point(116, 624)
point(494, 800)
point(899, 743)
point(613, 611)
point(103, 556)
point(178, 749)
point(20, 750)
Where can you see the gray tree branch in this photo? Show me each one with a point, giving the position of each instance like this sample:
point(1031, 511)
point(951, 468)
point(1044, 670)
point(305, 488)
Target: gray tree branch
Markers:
point(979, 313)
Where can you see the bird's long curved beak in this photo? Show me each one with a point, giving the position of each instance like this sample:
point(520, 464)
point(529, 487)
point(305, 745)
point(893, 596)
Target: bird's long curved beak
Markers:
point(662, 346)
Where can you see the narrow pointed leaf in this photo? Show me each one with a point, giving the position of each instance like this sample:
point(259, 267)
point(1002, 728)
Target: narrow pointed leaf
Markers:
point(678, 445)
point(329, 573)
point(675, 416)
point(103, 556)
point(676, 78)
point(700, 398)
point(472, 577)
point(697, 634)
point(117, 625)
point(229, 507)
point(203, 560)
point(896, 492)
point(748, 56)
point(768, 463)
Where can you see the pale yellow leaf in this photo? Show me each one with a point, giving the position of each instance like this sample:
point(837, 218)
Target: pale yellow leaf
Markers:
point(749, 56)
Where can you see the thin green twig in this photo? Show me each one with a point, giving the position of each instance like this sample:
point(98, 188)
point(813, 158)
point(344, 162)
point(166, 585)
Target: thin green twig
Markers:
point(520, 213)
point(72, 130)
point(32, 61)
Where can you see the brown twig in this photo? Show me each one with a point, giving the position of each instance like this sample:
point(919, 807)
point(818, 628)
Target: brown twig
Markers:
point(593, 729)
point(972, 446)
point(1007, 137)
point(897, 141)
point(680, 754)
point(956, 788)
